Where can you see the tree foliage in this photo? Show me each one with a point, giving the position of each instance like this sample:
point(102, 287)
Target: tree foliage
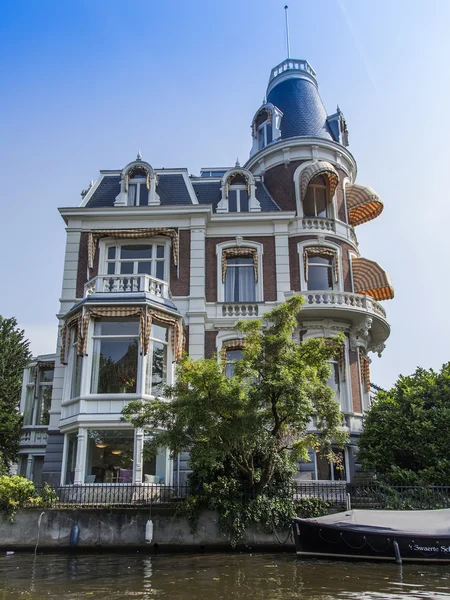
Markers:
point(14, 356)
point(406, 436)
point(246, 432)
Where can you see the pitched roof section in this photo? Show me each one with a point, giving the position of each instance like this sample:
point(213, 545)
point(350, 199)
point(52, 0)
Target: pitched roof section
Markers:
point(208, 192)
point(171, 189)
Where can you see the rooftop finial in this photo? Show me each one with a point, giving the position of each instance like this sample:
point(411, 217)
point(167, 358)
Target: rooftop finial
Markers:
point(288, 44)
point(238, 164)
point(139, 156)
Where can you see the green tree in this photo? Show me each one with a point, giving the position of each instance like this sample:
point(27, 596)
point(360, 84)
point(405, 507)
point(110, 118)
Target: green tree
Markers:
point(406, 436)
point(245, 433)
point(14, 357)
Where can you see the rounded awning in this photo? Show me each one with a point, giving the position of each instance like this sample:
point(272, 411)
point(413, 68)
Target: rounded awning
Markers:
point(319, 167)
point(363, 203)
point(370, 279)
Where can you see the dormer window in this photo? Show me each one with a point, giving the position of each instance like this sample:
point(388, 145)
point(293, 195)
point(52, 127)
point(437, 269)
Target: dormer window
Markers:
point(264, 129)
point(238, 195)
point(238, 191)
point(316, 201)
point(137, 189)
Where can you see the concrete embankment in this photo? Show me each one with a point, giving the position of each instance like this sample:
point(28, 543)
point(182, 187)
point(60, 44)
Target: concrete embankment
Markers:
point(121, 529)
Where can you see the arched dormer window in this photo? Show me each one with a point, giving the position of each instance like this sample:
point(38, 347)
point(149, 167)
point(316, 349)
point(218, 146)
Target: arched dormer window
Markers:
point(266, 127)
point(138, 185)
point(238, 192)
point(317, 198)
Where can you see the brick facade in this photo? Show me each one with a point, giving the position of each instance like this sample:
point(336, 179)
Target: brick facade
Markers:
point(355, 382)
point(210, 343)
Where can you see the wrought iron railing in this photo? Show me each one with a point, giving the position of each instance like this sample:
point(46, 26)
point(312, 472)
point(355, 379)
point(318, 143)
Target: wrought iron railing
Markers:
point(398, 497)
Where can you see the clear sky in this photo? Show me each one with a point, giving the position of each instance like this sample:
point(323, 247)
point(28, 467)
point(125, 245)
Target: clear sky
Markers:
point(86, 83)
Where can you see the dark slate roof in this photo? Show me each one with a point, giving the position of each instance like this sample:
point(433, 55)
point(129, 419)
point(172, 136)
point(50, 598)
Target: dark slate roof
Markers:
point(209, 193)
point(171, 189)
point(304, 114)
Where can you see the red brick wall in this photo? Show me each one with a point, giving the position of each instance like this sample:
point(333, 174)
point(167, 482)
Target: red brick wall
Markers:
point(269, 266)
point(210, 343)
point(294, 261)
point(355, 382)
point(179, 286)
point(280, 183)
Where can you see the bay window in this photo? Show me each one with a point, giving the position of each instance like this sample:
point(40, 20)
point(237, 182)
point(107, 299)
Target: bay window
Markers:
point(115, 356)
point(156, 375)
point(240, 284)
point(38, 396)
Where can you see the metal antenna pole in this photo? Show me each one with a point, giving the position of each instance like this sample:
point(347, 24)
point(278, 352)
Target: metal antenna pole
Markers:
point(288, 45)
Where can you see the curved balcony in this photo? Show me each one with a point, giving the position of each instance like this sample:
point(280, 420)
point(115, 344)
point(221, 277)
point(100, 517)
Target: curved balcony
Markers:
point(349, 307)
point(327, 226)
point(127, 284)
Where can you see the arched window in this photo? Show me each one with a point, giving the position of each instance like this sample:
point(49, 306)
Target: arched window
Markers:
point(317, 198)
point(137, 188)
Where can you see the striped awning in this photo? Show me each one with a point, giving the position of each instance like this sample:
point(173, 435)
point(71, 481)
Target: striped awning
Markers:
point(319, 167)
point(239, 253)
point(146, 317)
point(369, 278)
point(363, 203)
point(95, 235)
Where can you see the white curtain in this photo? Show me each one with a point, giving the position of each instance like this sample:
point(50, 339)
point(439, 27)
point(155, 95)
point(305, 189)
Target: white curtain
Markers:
point(132, 189)
point(240, 281)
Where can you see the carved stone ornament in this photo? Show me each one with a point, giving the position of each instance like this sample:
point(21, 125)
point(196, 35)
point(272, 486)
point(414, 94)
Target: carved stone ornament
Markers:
point(359, 336)
point(377, 349)
point(239, 240)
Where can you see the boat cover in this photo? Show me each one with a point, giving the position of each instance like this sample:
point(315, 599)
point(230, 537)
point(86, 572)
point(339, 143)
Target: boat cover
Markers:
point(424, 522)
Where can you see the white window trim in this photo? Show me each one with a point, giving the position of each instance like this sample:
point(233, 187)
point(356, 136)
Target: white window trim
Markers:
point(138, 181)
point(312, 243)
point(237, 188)
point(259, 291)
point(346, 466)
point(109, 242)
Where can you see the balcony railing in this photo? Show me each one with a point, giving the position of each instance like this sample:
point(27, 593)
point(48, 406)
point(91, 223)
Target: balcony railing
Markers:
point(34, 437)
point(292, 65)
point(318, 223)
point(241, 309)
point(126, 284)
point(343, 299)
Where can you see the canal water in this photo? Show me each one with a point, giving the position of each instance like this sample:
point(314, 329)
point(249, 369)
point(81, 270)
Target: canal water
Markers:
point(213, 576)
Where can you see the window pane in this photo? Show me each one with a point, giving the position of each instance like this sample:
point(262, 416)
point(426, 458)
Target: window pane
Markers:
point(323, 468)
point(28, 409)
point(160, 251)
point(319, 278)
point(143, 195)
point(145, 267)
point(72, 445)
point(243, 195)
point(114, 369)
point(321, 201)
point(111, 268)
point(160, 269)
point(46, 375)
point(269, 133)
point(109, 327)
point(109, 457)
point(308, 203)
point(159, 368)
point(137, 251)
point(232, 357)
point(45, 400)
point(112, 253)
point(76, 375)
point(339, 466)
point(261, 138)
point(231, 262)
point(232, 201)
point(320, 260)
point(159, 332)
point(132, 192)
point(126, 268)
point(240, 283)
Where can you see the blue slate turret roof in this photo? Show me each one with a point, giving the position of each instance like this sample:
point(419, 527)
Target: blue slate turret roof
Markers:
point(293, 89)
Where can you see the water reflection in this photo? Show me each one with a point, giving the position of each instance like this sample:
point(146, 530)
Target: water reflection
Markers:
point(213, 576)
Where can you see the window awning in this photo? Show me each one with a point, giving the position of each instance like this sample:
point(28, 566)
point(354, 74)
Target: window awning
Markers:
point(95, 235)
point(319, 167)
point(370, 279)
point(363, 203)
point(146, 317)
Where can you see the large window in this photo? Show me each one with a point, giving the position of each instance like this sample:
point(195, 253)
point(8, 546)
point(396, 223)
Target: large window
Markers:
point(136, 259)
point(137, 189)
point(331, 470)
point(156, 376)
point(240, 285)
point(233, 355)
point(71, 457)
point(320, 272)
point(115, 356)
point(316, 200)
point(109, 457)
point(38, 398)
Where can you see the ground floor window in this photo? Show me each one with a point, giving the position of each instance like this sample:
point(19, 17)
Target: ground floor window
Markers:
point(331, 471)
point(71, 460)
point(109, 456)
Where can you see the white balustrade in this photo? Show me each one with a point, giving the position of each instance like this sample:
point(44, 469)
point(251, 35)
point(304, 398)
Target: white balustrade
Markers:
point(240, 310)
point(347, 299)
point(318, 223)
point(125, 284)
point(292, 65)
point(34, 437)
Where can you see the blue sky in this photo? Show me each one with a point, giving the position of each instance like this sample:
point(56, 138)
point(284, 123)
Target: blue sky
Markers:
point(87, 83)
